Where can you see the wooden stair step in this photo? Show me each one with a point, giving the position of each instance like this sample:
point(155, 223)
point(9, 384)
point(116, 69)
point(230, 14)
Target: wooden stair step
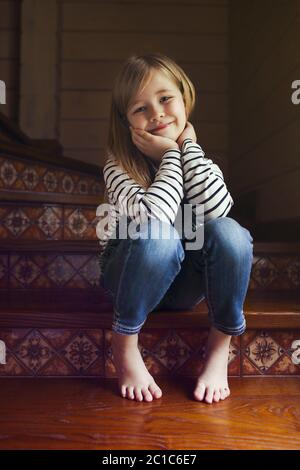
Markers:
point(259, 248)
point(93, 309)
point(261, 413)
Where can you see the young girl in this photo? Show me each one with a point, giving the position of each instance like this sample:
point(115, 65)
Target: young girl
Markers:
point(153, 167)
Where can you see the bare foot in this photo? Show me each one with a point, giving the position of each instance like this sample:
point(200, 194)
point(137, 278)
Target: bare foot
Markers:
point(135, 382)
point(212, 384)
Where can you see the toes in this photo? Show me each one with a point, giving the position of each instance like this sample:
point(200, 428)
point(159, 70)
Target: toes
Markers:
point(123, 391)
point(155, 390)
point(147, 395)
point(227, 391)
point(223, 393)
point(138, 394)
point(199, 391)
point(209, 395)
point(217, 396)
point(130, 393)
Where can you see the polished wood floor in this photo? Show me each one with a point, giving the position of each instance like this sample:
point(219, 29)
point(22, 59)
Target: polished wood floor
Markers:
point(261, 413)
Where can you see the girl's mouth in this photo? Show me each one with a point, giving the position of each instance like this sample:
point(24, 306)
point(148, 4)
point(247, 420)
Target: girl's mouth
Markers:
point(161, 128)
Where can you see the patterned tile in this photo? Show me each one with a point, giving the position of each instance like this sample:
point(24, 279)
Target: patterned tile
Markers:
point(293, 272)
point(275, 272)
point(49, 352)
point(264, 272)
point(81, 352)
point(51, 270)
point(47, 222)
point(26, 176)
point(3, 271)
point(16, 222)
point(80, 223)
point(30, 178)
point(23, 271)
point(274, 352)
point(34, 352)
point(263, 351)
point(73, 352)
point(8, 174)
point(50, 221)
point(172, 351)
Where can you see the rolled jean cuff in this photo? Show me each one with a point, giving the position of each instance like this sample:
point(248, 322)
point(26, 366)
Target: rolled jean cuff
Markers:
point(126, 330)
point(236, 331)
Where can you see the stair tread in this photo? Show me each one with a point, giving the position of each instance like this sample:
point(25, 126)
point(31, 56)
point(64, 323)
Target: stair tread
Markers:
point(13, 244)
point(79, 307)
point(85, 299)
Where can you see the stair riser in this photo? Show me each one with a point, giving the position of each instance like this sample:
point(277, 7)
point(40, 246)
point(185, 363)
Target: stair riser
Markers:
point(80, 270)
point(51, 222)
point(21, 175)
point(67, 353)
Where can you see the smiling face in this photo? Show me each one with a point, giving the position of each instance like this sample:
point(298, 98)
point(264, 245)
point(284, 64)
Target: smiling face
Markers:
point(159, 103)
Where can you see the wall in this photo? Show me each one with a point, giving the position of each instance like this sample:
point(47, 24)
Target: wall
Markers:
point(9, 55)
point(97, 36)
point(265, 124)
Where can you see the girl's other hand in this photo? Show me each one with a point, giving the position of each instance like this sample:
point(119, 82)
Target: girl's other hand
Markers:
point(187, 133)
point(153, 146)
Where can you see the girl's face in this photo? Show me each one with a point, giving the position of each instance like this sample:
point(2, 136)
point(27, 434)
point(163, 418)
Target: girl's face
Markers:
point(159, 103)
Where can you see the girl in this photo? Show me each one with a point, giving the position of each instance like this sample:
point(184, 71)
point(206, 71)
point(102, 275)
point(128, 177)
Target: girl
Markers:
point(155, 166)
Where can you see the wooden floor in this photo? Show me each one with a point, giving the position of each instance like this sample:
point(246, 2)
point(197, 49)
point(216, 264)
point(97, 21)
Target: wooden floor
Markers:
point(261, 413)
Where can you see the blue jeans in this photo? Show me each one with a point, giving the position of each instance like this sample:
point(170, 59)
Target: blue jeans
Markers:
point(146, 274)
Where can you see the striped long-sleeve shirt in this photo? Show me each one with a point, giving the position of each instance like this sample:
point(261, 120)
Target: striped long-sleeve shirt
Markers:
point(182, 176)
point(204, 182)
point(127, 197)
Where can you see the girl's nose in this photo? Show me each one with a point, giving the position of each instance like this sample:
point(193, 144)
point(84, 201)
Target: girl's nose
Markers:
point(157, 113)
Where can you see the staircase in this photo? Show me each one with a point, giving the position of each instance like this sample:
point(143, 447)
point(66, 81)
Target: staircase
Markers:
point(55, 318)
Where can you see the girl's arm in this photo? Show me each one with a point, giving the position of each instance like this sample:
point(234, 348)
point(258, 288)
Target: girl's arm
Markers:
point(162, 198)
point(203, 182)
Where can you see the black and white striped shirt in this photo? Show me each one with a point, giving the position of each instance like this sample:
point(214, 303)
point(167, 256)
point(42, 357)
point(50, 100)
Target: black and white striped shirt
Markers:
point(182, 175)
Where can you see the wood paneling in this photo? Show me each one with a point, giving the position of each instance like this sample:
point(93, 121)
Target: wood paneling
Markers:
point(96, 105)
point(145, 18)
point(99, 75)
point(117, 46)
point(96, 39)
point(269, 75)
point(138, 2)
point(271, 205)
point(8, 73)
point(265, 124)
point(10, 14)
point(271, 31)
point(9, 54)
point(268, 117)
point(271, 158)
point(8, 44)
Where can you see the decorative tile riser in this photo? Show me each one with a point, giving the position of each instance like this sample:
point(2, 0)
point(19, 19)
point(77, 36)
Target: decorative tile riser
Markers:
point(81, 270)
point(49, 270)
point(177, 352)
point(20, 175)
point(47, 222)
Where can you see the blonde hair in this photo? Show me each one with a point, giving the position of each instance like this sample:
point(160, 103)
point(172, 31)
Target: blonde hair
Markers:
point(132, 78)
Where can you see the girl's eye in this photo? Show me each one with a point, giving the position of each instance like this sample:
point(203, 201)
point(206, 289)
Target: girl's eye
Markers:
point(137, 110)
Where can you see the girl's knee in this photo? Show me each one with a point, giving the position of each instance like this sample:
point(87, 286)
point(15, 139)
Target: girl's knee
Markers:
point(230, 234)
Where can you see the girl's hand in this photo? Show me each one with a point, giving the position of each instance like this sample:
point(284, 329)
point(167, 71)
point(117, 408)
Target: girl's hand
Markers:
point(154, 146)
point(188, 132)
